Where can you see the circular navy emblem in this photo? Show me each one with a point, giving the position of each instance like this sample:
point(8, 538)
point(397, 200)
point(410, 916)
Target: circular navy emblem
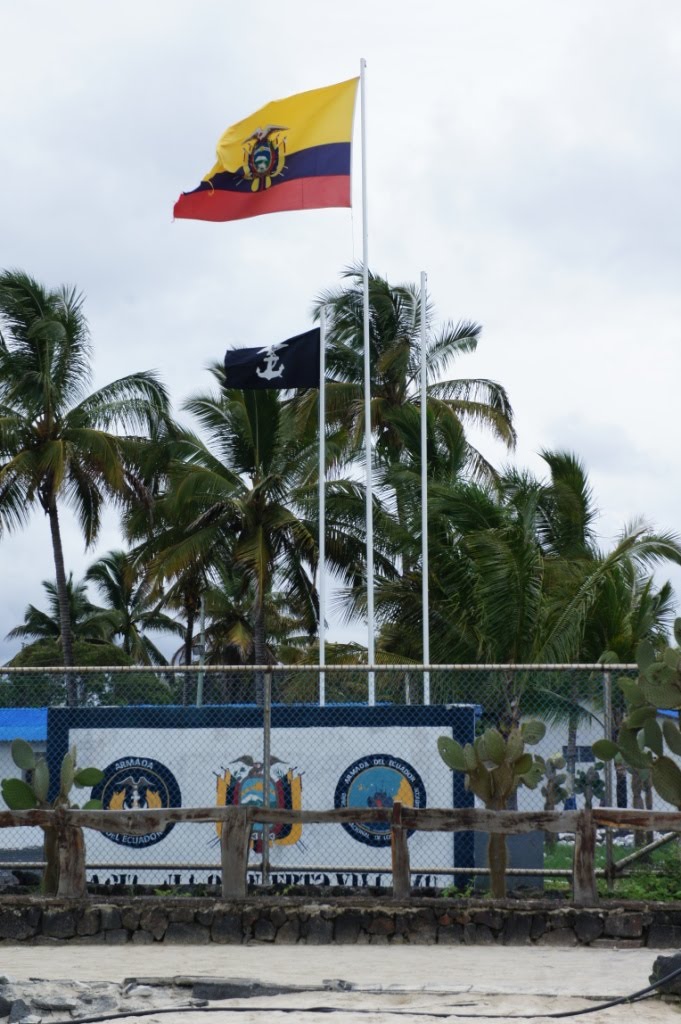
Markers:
point(378, 780)
point(132, 782)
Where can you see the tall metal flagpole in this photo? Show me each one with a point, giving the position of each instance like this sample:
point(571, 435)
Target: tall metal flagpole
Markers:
point(322, 505)
point(371, 653)
point(424, 494)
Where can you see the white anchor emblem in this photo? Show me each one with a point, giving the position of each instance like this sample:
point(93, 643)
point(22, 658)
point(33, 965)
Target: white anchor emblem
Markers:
point(270, 373)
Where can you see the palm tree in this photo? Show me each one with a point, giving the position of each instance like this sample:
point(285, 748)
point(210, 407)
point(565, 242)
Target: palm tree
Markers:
point(40, 633)
point(229, 629)
point(629, 610)
point(239, 495)
point(246, 500)
point(56, 440)
point(133, 605)
point(519, 576)
point(88, 622)
point(395, 329)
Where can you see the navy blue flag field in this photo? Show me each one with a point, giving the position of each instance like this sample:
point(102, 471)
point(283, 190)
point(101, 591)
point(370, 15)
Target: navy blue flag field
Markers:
point(293, 363)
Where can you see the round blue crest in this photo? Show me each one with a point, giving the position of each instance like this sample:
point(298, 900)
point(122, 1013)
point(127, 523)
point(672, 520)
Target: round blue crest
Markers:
point(378, 780)
point(137, 782)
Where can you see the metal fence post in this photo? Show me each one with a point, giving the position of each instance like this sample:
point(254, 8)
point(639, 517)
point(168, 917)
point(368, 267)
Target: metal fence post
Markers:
point(607, 708)
point(266, 759)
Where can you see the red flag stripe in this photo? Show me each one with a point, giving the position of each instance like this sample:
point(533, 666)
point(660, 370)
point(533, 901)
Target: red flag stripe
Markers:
point(301, 194)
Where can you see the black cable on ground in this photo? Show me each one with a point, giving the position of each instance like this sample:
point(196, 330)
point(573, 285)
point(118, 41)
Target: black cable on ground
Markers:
point(635, 997)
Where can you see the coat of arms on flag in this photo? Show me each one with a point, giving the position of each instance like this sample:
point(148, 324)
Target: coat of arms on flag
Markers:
point(292, 154)
point(243, 785)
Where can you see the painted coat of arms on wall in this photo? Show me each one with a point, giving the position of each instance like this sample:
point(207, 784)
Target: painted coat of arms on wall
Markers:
point(244, 784)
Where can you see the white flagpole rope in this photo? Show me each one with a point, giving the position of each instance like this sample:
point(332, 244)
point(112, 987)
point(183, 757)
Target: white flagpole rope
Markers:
point(322, 505)
point(371, 650)
point(424, 494)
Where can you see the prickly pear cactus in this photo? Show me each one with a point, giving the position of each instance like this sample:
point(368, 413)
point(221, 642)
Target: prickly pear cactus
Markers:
point(642, 740)
point(590, 784)
point(21, 795)
point(554, 789)
point(495, 767)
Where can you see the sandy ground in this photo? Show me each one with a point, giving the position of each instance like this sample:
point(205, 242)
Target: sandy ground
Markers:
point(450, 982)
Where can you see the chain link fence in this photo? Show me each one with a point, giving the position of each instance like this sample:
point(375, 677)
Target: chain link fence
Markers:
point(301, 737)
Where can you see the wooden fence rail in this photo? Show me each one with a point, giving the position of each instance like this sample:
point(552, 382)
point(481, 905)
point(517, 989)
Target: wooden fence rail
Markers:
point(237, 822)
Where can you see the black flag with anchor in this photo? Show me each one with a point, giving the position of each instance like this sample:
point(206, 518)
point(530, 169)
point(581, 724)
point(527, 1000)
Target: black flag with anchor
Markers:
point(293, 363)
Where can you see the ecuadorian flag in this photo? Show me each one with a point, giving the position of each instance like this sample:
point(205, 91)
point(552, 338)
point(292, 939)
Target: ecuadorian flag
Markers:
point(292, 154)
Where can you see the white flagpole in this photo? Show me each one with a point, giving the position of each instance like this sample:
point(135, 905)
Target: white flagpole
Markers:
point(371, 653)
point(322, 505)
point(424, 495)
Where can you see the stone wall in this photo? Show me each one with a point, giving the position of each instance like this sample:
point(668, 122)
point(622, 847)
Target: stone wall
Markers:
point(361, 920)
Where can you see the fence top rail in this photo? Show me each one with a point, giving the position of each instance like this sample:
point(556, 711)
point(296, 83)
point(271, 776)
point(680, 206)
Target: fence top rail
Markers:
point(328, 669)
point(431, 819)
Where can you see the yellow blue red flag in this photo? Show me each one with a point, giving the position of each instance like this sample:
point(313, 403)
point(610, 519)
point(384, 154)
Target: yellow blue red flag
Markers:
point(292, 154)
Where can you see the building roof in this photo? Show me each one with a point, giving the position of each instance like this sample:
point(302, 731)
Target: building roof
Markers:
point(23, 723)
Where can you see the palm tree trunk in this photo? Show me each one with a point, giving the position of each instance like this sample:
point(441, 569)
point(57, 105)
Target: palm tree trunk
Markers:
point(188, 647)
point(62, 597)
point(189, 635)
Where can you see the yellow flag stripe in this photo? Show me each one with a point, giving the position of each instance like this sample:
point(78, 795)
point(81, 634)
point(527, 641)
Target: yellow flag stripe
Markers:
point(313, 118)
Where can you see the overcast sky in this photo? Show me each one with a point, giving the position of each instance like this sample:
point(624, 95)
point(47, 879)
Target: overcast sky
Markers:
point(526, 155)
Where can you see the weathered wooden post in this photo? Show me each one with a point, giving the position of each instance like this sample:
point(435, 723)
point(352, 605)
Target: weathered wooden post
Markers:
point(399, 848)
point(72, 882)
point(234, 845)
point(585, 892)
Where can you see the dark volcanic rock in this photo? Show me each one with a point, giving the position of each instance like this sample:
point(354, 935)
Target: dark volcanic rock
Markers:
point(226, 928)
point(89, 922)
point(318, 932)
point(663, 966)
point(348, 925)
point(154, 920)
point(663, 936)
point(516, 931)
point(178, 933)
point(17, 925)
point(289, 932)
point(264, 930)
point(626, 926)
point(588, 927)
point(59, 924)
point(18, 1010)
